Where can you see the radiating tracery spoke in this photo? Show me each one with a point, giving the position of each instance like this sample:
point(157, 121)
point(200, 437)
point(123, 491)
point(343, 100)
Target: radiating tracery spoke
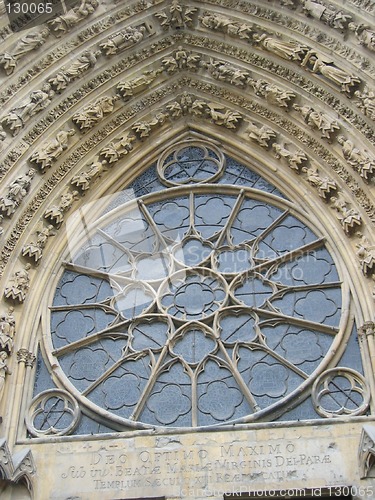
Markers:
point(192, 313)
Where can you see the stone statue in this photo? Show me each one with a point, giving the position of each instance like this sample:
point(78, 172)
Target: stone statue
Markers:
point(33, 250)
point(273, 94)
point(181, 59)
point(37, 101)
point(261, 134)
point(116, 150)
point(94, 112)
point(233, 28)
point(21, 283)
point(55, 214)
point(123, 39)
point(64, 23)
point(290, 50)
point(364, 34)
point(221, 115)
point(366, 254)
point(17, 190)
point(86, 178)
point(49, 152)
point(293, 158)
point(4, 371)
point(143, 129)
point(81, 65)
point(224, 71)
point(318, 120)
point(348, 217)
point(325, 186)
point(336, 19)
point(359, 160)
point(7, 330)
point(132, 87)
point(319, 64)
point(27, 43)
point(177, 17)
point(366, 102)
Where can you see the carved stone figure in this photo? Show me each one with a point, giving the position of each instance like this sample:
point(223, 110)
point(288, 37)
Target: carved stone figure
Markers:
point(64, 23)
point(317, 63)
point(366, 102)
point(17, 190)
point(55, 214)
point(49, 152)
point(233, 28)
point(181, 59)
point(33, 250)
point(293, 158)
point(224, 71)
point(7, 330)
point(143, 129)
point(359, 160)
point(4, 371)
point(221, 115)
point(366, 254)
point(37, 101)
point(27, 43)
point(21, 283)
point(116, 150)
point(123, 39)
point(261, 134)
point(273, 94)
point(94, 112)
point(325, 186)
point(3, 136)
point(318, 120)
point(348, 217)
point(291, 50)
point(86, 178)
point(83, 63)
point(177, 16)
point(334, 18)
point(364, 34)
point(137, 85)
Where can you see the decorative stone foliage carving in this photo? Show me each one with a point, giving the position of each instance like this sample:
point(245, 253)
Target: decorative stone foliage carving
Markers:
point(349, 218)
point(95, 112)
point(26, 357)
point(366, 102)
point(181, 59)
point(261, 134)
point(80, 66)
point(133, 87)
point(28, 42)
point(324, 185)
point(64, 23)
point(366, 254)
point(366, 451)
point(55, 214)
point(37, 101)
point(361, 161)
point(176, 16)
point(295, 159)
point(50, 151)
point(19, 468)
point(7, 330)
point(364, 34)
point(318, 63)
point(318, 120)
point(224, 71)
point(17, 190)
point(334, 18)
point(123, 39)
point(34, 250)
point(85, 179)
point(272, 93)
point(19, 285)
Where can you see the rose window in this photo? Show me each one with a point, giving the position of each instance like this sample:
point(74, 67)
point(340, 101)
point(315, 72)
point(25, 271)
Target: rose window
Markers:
point(209, 300)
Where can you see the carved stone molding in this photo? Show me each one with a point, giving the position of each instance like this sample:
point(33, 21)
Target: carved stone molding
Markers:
point(366, 452)
point(17, 468)
point(25, 356)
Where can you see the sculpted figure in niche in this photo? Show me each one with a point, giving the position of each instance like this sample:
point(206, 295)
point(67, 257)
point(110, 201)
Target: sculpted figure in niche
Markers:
point(319, 64)
point(359, 160)
point(116, 150)
point(225, 25)
point(334, 18)
point(224, 71)
point(37, 101)
point(55, 214)
point(221, 115)
point(49, 152)
point(366, 254)
point(273, 94)
point(364, 34)
point(86, 178)
point(94, 113)
point(291, 50)
point(21, 283)
point(181, 59)
point(64, 23)
point(318, 120)
point(33, 250)
point(366, 102)
point(4, 371)
point(293, 158)
point(133, 87)
point(7, 330)
point(178, 16)
point(261, 134)
point(17, 190)
point(123, 39)
point(27, 43)
point(143, 129)
point(348, 217)
point(325, 186)
point(83, 63)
